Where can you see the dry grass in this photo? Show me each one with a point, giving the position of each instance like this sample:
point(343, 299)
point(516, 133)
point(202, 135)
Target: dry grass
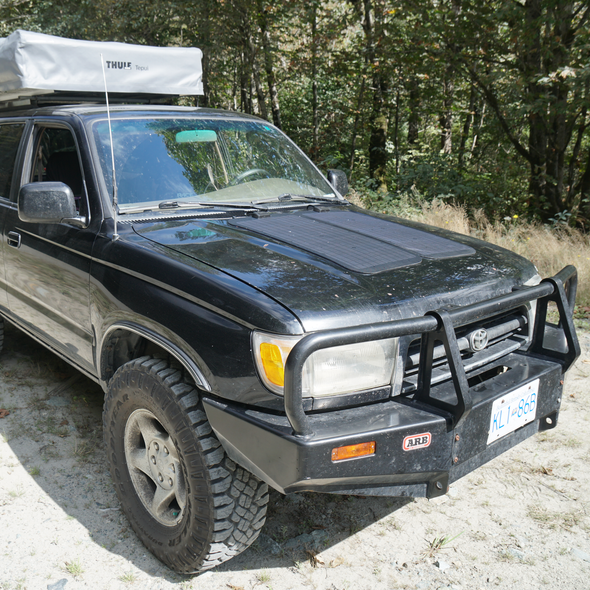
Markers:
point(549, 249)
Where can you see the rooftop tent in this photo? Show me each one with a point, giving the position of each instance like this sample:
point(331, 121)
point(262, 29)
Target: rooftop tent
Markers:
point(37, 64)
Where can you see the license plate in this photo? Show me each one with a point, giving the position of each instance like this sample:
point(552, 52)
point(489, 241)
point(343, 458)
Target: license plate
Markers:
point(513, 410)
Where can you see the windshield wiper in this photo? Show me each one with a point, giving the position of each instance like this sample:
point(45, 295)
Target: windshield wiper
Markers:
point(168, 205)
point(171, 204)
point(293, 197)
point(209, 204)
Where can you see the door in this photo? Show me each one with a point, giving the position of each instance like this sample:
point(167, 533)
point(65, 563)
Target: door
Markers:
point(47, 264)
point(10, 139)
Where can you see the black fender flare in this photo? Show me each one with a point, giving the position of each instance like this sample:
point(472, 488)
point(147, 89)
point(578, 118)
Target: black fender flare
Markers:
point(193, 369)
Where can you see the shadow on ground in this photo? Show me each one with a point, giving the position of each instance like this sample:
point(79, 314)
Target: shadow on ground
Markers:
point(55, 430)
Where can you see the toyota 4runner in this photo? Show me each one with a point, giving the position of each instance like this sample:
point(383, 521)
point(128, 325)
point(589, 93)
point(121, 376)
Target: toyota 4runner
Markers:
point(250, 327)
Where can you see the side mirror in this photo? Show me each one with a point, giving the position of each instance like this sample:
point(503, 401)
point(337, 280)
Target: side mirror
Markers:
point(337, 178)
point(48, 202)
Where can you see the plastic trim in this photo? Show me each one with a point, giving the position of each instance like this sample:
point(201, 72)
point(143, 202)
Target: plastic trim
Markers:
point(172, 349)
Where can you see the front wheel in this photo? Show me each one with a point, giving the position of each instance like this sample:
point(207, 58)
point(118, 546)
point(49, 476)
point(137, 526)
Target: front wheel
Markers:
point(191, 505)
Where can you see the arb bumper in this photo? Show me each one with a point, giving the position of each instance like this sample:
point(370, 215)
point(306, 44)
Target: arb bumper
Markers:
point(422, 441)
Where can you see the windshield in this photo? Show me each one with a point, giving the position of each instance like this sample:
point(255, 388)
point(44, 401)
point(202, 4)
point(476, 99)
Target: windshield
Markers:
point(191, 159)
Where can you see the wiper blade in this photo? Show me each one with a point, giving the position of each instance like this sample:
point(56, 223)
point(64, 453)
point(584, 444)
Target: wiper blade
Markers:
point(219, 205)
point(146, 208)
point(293, 197)
point(168, 205)
point(171, 204)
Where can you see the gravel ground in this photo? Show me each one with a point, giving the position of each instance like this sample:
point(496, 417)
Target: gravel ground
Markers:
point(520, 521)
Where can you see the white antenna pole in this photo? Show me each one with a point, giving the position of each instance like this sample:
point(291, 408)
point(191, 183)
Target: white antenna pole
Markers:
point(115, 200)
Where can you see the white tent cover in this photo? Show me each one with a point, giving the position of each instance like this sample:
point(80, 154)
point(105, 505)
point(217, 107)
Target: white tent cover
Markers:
point(34, 63)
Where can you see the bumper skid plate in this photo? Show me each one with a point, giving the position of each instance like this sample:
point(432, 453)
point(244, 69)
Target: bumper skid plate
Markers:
point(265, 444)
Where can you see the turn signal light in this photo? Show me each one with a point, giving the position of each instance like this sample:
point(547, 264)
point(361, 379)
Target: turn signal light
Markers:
point(272, 361)
point(353, 451)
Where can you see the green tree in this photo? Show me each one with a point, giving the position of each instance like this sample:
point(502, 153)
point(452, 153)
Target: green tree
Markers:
point(530, 62)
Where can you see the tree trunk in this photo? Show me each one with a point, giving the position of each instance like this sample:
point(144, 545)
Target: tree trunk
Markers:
point(584, 185)
point(205, 45)
point(533, 67)
point(256, 74)
point(479, 119)
point(357, 118)
point(548, 129)
point(235, 84)
point(414, 102)
point(268, 64)
point(466, 128)
point(378, 139)
point(574, 193)
point(446, 120)
point(378, 122)
point(245, 84)
point(396, 132)
point(314, 81)
point(561, 134)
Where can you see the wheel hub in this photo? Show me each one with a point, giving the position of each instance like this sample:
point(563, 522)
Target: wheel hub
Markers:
point(162, 465)
point(154, 467)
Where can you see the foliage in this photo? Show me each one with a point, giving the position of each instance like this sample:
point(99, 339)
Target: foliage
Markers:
point(435, 176)
point(483, 104)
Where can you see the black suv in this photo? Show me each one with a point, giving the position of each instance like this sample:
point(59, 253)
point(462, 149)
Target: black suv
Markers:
point(250, 327)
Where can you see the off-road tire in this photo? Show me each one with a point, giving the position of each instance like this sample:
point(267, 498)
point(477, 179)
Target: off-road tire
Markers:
point(220, 506)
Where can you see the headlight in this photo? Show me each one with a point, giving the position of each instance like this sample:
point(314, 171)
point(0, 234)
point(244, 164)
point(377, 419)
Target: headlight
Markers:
point(330, 371)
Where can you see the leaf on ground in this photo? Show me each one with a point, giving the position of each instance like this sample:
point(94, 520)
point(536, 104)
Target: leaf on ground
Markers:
point(4, 413)
point(314, 560)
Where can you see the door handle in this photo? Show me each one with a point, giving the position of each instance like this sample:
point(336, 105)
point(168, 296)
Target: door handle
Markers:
point(13, 239)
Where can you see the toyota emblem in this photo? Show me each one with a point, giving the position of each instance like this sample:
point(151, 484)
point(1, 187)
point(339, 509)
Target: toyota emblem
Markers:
point(478, 340)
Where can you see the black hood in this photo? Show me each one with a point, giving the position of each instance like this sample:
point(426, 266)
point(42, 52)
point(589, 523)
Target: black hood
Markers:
point(347, 267)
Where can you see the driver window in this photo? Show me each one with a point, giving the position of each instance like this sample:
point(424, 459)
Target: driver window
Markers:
point(56, 159)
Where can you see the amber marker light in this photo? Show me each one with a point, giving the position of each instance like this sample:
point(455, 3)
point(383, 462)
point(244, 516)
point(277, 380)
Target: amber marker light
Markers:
point(272, 361)
point(353, 451)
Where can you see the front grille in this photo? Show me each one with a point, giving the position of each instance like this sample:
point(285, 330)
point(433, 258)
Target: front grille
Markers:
point(506, 333)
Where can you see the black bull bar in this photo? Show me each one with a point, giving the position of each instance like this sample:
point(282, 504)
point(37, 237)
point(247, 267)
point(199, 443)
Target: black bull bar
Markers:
point(440, 326)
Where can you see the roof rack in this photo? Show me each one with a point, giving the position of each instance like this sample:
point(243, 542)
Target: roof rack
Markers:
point(38, 69)
point(79, 98)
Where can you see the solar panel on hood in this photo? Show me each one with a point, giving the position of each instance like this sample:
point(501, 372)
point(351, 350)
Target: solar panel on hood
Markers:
point(344, 246)
point(415, 240)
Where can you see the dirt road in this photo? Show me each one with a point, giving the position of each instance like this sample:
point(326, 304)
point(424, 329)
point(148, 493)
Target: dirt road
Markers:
point(521, 521)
